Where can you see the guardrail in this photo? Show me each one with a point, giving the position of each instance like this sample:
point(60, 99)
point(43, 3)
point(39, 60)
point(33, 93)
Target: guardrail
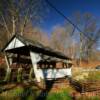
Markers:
point(86, 86)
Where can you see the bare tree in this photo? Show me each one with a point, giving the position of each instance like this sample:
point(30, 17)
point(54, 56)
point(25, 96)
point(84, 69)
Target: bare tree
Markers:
point(62, 39)
point(36, 34)
point(88, 24)
point(16, 14)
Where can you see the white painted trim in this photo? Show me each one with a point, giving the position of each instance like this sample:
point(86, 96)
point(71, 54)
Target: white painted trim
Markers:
point(54, 73)
point(15, 43)
point(47, 73)
point(35, 58)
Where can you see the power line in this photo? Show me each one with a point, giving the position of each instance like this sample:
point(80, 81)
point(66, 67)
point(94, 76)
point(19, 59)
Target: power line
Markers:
point(60, 13)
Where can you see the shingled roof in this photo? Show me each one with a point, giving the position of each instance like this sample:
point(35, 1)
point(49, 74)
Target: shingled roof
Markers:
point(36, 47)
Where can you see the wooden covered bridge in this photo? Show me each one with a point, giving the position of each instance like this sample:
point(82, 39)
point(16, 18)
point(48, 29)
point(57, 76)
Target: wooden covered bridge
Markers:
point(45, 62)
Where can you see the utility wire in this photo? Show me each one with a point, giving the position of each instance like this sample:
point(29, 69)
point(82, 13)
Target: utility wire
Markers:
point(60, 13)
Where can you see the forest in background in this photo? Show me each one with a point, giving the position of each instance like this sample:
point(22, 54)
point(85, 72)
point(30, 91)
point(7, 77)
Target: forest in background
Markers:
point(18, 17)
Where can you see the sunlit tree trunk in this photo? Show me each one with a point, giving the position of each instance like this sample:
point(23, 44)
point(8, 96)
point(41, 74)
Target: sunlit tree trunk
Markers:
point(6, 27)
point(14, 25)
point(80, 59)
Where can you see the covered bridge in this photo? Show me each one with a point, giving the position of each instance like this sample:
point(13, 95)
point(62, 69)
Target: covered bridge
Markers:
point(46, 63)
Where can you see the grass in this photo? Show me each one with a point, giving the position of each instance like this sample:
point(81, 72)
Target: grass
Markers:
point(86, 76)
point(63, 95)
point(94, 76)
point(20, 92)
point(32, 92)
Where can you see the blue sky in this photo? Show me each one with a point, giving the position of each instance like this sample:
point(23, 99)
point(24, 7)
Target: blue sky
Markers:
point(68, 8)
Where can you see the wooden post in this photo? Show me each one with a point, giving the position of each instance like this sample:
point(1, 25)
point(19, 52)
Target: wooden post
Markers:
point(30, 74)
point(19, 75)
point(7, 61)
point(7, 77)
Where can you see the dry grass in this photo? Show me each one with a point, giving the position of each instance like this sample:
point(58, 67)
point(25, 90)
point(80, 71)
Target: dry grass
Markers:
point(85, 64)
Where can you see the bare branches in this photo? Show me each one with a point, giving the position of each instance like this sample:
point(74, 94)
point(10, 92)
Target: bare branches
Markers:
point(17, 14)
point(88, 24)
point(5, 24)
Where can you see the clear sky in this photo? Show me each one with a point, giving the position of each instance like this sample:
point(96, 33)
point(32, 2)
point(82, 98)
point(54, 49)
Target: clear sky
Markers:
point(68, 8)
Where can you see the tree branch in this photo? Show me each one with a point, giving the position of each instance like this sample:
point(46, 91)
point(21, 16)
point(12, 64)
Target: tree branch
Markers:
point(5, 24)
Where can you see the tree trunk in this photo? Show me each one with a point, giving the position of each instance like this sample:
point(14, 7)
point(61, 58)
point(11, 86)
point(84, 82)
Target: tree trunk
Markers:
point(14, 26)
point(6, 27)
point(8, 72)
point(80, 59)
